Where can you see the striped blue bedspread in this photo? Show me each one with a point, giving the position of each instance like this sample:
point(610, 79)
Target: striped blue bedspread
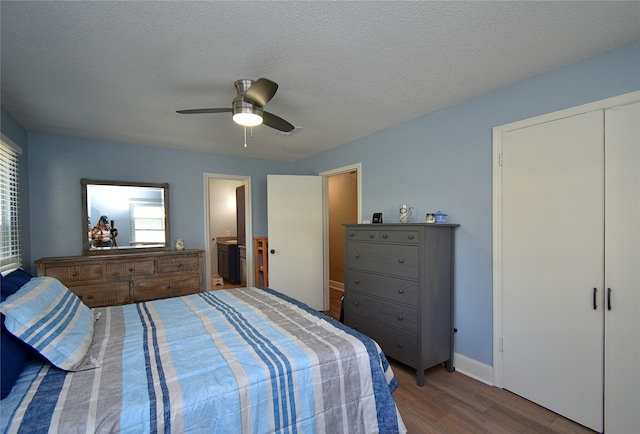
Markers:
point(237, 361)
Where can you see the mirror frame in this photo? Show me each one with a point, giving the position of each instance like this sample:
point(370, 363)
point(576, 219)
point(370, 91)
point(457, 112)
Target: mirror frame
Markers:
point(84, 182)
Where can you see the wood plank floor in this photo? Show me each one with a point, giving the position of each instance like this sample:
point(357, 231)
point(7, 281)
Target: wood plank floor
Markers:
point(451, 402)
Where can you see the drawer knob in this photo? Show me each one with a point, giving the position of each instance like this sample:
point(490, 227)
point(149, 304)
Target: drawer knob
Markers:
point(400, 317)
point(356, 304)
point(384, 235)
point(352, 234)
point(410, 237)
point(370, 235)
point(74, 274)
point(179, 265)
point(401, 261)
point(357, 280)
point(400, 291)
point(357, 255)
point(399, 344)
point(130, 269)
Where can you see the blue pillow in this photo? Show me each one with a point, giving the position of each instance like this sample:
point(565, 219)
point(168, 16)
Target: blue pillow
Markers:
point(14, 281)
point(13, 352)
point(51, 319)
point(14, 356)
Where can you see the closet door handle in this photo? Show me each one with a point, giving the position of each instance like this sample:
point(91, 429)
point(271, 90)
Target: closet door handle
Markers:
point(608, 298)
point(595, 301)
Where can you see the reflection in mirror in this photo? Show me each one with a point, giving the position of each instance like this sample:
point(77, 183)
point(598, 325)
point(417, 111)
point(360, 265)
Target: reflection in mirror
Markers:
point(122, 217)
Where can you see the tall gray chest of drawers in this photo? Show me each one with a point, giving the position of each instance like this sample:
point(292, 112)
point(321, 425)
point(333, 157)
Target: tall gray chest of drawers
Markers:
point(399, 290)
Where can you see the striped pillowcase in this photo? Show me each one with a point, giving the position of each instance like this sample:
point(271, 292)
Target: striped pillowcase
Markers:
point(50, 318)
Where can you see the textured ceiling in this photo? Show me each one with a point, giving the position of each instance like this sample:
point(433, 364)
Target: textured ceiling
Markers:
point(119, 70)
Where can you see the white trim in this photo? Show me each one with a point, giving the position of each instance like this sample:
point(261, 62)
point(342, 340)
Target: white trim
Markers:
point(473, 369)
point(345, 169)
point(498, 131)
point(325, 209)
point(246, 180)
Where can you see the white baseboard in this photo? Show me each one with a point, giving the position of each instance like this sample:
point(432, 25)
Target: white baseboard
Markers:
point(474, 369)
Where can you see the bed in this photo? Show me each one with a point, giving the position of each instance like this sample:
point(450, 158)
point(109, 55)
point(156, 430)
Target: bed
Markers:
point(247, 360)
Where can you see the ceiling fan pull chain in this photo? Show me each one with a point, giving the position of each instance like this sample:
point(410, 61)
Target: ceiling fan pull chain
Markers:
point(251, 136)
point(245, 137)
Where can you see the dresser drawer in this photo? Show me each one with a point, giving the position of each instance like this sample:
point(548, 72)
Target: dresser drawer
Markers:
point(397, 260)
point(390, 288)
point(173, 265)
point(116, 269)
point(103, 294)
point(400, 346)
point(165, 287)
point(75, 273)
point(394, 315)
point(362, 235)
point(401, 236)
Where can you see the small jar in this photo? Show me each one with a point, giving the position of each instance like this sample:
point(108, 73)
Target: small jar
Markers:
point(179, 244)
point(441, 217)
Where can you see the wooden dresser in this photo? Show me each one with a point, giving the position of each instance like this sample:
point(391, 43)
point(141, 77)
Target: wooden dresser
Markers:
point(398, 290)
point(127, 278)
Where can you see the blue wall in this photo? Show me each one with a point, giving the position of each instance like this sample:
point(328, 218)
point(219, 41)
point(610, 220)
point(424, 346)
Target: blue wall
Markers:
point(441, 161)
point(57, 164)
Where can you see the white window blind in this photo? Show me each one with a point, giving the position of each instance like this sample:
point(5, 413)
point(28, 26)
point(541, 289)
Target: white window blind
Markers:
point(9, 204)
point(147, 223)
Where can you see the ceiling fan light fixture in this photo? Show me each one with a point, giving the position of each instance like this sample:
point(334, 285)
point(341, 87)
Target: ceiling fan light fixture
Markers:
point(247, 119)
point(245, 113)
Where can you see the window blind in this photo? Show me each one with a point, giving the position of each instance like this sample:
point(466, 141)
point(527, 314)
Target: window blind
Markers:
point(9, 205)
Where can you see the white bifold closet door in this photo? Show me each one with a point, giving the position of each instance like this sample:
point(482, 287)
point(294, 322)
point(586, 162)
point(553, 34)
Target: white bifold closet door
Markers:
point(553, 235)
point(571, 266)
point(622, 270)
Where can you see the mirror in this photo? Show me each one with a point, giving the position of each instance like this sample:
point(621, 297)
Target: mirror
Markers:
point(136, 217)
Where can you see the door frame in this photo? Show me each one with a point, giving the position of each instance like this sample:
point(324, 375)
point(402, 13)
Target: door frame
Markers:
point(246, 180)
point(325, 209)
point(497, 207)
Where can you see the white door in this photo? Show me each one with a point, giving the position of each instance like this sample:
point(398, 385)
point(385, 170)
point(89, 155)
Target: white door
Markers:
point(552, 231)
point(622, 256)
point(296, 245)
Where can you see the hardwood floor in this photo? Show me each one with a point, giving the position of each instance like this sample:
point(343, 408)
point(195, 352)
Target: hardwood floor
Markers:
point(451, 402)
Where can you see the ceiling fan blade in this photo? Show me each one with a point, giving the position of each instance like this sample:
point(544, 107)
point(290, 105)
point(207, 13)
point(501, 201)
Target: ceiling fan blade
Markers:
point(276, 122)
point(261, 91)
point(204, 110)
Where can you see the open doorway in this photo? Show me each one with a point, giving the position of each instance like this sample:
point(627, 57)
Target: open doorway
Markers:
point(228, 231)
point(343, 206)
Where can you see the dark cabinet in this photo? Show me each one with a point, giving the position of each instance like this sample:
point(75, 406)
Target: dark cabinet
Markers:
point(229, 262)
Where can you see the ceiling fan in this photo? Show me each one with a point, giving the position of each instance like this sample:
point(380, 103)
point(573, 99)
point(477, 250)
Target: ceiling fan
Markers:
point(248, 106)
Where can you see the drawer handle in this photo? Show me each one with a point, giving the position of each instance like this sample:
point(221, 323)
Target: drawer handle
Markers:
point(410, 237)
point(401, 261)
point(370, 235)
point(400, 291)
point(384, 235)
point(400, 317)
